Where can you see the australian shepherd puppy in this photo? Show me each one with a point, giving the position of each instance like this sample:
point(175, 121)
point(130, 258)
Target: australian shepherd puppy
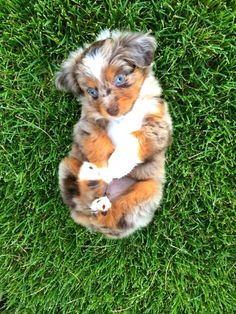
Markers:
point(114, 175)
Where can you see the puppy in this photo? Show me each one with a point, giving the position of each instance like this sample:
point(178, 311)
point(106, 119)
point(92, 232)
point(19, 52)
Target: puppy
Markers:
point(114, 175)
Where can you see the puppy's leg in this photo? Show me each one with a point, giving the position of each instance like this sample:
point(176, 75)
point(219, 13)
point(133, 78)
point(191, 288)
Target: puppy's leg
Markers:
point(153, 137)
point(125, 157)
point(79, 183)
point(90, 182)
point(97, 147)
point(68, 172)
point(138, 193)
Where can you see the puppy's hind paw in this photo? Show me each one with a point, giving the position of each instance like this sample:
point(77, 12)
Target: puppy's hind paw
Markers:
point(101, 204)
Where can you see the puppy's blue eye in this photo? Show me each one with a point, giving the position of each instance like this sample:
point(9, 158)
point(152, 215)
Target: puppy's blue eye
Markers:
point(119, 79)
point(92, 92)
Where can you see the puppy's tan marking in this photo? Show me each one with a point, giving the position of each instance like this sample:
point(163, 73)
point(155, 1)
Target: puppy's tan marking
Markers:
point(110, 72)
point(98, 147)
point(73, 164)
point(90, 82)
point(145, 144)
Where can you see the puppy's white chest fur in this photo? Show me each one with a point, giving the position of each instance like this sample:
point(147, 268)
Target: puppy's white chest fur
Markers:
point(119, 129)
point(126, 155)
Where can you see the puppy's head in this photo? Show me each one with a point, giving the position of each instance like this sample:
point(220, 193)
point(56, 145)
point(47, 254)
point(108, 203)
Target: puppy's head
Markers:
point(109, 73)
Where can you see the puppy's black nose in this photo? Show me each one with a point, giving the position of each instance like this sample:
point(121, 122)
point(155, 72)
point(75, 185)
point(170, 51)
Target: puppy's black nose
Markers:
point(113, 110)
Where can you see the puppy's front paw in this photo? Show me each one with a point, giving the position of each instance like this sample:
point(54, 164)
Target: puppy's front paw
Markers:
point(101, 204)
point(89, 172)
point(124, 158)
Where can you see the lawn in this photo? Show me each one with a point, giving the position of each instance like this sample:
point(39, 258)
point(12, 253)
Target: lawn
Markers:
point(184, 261)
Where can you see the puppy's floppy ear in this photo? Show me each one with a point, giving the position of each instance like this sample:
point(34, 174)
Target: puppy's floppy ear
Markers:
point(139, 48)
point(66, 78)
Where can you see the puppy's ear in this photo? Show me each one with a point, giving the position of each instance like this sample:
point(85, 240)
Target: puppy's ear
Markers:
point(139, 48)
point(66, 78)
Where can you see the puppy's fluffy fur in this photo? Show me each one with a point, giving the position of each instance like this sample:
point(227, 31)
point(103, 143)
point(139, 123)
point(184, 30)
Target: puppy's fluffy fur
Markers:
point(113, 177)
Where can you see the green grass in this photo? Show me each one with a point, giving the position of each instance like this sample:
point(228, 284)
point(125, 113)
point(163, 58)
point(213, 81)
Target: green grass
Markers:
point(184, 261)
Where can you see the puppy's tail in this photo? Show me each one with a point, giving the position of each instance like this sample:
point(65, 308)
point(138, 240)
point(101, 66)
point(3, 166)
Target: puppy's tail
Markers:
point(68, 173)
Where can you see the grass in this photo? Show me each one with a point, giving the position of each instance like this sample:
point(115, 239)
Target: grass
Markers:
point(184, 261)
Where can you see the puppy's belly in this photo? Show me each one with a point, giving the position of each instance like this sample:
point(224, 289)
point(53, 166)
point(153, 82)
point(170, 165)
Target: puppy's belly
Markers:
point(118, 187)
